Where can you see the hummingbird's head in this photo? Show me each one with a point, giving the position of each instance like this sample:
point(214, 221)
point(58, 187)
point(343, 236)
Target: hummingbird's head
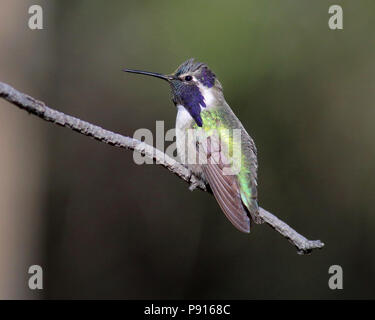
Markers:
point(194, 86)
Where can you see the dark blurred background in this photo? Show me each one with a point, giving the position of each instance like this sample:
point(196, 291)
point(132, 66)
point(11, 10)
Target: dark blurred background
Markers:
point(103, 227)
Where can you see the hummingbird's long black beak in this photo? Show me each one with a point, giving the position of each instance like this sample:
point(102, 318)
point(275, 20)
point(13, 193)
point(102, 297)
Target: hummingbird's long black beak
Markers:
point(152, 74)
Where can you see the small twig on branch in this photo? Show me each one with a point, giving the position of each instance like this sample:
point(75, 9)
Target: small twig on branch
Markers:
point(39, 109)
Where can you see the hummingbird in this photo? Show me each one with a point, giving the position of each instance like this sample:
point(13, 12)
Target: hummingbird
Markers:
point(203, 111)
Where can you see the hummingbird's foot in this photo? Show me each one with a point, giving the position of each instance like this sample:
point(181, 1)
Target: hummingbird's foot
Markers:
point(193, 182)
point(193, 185)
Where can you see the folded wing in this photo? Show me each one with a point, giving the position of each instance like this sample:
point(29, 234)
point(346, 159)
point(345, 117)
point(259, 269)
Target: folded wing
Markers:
point(224, 182)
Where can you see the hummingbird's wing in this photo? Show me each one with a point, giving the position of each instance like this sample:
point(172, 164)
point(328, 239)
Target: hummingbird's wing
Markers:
point(224, 183)
point(234, 187)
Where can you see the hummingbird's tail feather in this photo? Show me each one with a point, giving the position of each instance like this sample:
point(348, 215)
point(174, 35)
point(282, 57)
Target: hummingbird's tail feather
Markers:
point(251, 207)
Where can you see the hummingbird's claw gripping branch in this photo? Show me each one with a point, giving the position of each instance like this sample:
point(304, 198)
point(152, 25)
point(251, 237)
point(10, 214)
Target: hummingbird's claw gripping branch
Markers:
point(193, 181)
point(193, 185)
point(39, 109)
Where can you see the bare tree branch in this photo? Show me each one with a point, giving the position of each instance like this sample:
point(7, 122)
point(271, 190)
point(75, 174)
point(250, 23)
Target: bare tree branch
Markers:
point(39, 109)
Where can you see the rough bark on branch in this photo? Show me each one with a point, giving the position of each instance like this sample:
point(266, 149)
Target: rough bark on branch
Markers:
point(39, 109)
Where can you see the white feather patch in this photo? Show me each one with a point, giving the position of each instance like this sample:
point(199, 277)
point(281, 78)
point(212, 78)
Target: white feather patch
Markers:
point(183, 117)
point(207, 94)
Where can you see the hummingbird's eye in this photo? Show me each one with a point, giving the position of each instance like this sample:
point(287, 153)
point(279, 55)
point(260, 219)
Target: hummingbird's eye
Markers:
point(188, 78)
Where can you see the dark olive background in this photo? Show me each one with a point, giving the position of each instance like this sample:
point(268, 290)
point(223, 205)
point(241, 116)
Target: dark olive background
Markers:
point(103, 227)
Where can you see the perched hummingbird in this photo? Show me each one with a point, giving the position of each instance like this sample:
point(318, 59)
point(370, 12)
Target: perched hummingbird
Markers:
point(202, 109)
